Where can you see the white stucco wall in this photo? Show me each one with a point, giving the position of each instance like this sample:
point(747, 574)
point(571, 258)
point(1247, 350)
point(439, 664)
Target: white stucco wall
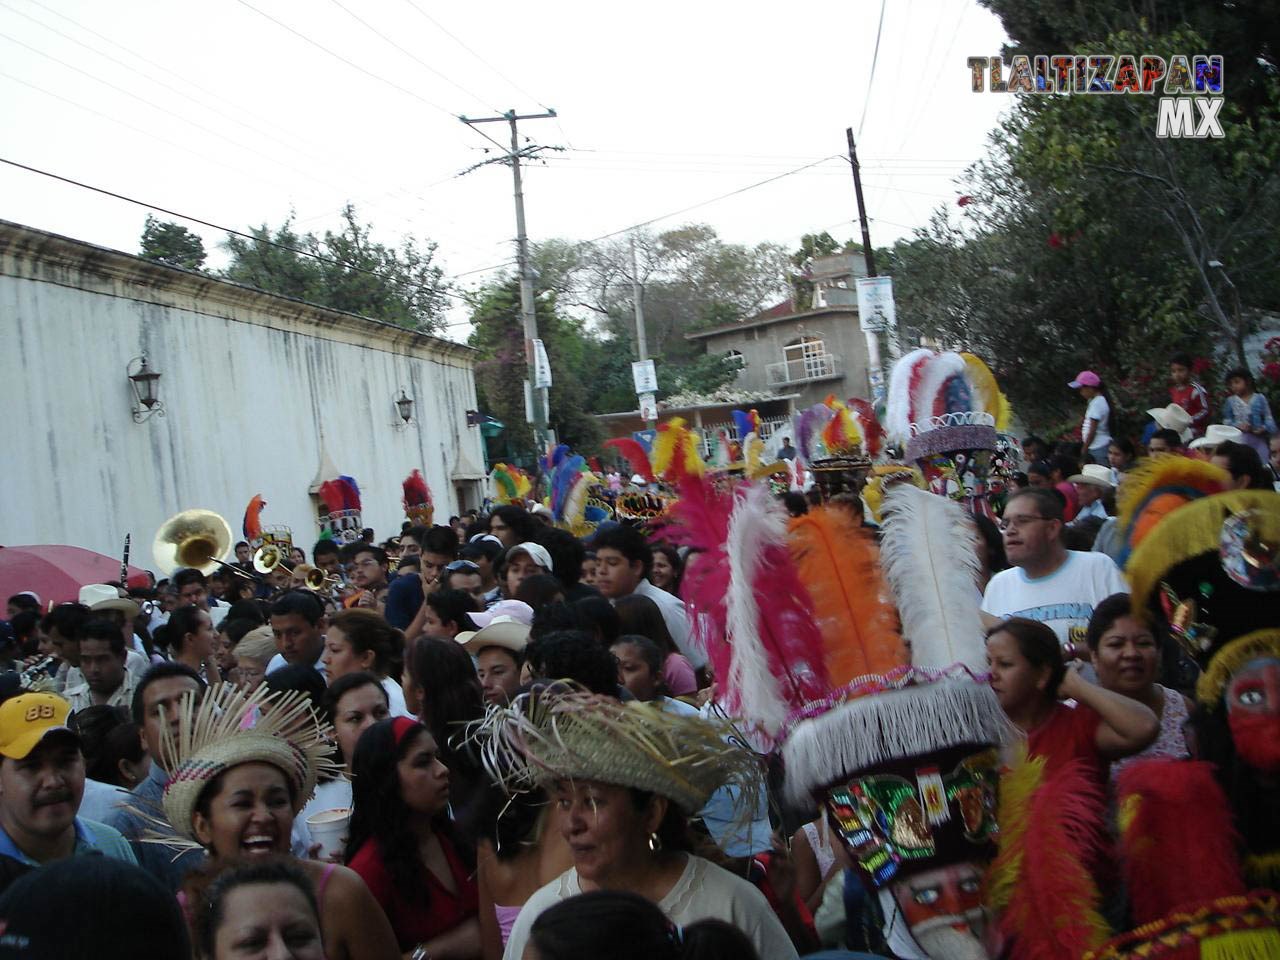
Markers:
point(253, 386)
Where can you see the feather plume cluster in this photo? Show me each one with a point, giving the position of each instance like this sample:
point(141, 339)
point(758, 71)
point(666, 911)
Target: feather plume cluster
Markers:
point(1159, 485)
point(809, 424)
point(635, 455)
point(903, 379)
point(1050, 825)
point(929, 559)
point(340, 494)
point(882, 477)
point(840, 566)
point(925, 385)
point(252, 526)
point(840, 435)
point(675, 452)
point(418, 505)
point(868, 425)
point(509, 484)
point(987, 392)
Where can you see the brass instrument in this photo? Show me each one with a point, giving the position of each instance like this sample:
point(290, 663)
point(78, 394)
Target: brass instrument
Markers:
point(314, 578)
point(30, 677)
point(269, 556)
point(193, 538)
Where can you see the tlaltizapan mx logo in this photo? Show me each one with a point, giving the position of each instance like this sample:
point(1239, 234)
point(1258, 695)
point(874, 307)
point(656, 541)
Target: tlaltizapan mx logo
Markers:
point(1189, 87)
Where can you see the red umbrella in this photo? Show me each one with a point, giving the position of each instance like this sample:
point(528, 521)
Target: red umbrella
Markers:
point(55, 572)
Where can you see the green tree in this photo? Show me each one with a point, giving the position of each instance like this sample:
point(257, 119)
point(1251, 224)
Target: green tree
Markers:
point(813, 245)
point(171, 243)
point(346, 270)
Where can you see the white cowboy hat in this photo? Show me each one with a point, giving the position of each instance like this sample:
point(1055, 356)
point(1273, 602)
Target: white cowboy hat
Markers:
point(1094, 473)
point(103, 596)
point(1174, 418)
point(1215, 434)
point(502, 631)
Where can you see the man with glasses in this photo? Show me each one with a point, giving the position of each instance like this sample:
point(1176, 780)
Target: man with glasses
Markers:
point(1047, 582)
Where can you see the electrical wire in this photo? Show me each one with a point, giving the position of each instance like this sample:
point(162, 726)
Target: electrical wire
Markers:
point(875, 56)
point(230, 230)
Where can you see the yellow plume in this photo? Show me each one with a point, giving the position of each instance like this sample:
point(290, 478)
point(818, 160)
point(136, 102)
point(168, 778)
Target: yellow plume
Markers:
point(988, 391)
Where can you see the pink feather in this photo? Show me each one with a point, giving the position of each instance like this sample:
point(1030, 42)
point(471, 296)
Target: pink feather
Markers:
point(699, 520)
point(869, 423)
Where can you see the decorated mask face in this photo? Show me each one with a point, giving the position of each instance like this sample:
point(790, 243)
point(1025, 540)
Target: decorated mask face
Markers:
point(1249, 556)
point(1253, 713)
point(960, 475)
point(943, 909)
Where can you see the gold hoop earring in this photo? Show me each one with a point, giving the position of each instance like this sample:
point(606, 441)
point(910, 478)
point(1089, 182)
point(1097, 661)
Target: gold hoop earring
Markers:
point(655, 842)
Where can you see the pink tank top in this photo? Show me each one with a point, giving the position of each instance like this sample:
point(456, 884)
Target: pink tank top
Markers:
point(506, 917)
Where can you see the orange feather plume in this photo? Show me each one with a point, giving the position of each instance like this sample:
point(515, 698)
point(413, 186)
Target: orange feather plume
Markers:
point(840, 565)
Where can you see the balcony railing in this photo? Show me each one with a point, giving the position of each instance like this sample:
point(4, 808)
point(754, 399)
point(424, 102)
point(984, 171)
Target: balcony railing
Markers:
point(803, 369)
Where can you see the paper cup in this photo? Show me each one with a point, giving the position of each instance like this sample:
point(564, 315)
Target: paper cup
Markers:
point(329, 829)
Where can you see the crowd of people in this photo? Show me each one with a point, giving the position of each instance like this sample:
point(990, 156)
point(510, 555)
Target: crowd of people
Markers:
point(742, 729)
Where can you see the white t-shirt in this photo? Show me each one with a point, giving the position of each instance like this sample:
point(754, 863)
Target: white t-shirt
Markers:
point(331, 795)
point(1099, 410)
point(395, 699)
point(703, 892)
point(1064, 599)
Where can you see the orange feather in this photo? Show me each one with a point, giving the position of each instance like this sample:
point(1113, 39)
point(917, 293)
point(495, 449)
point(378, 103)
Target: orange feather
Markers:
point(840, 565)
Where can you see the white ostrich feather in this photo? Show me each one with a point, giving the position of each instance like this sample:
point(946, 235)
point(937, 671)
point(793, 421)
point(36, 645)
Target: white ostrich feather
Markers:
point(897, 414)
point(931, 564)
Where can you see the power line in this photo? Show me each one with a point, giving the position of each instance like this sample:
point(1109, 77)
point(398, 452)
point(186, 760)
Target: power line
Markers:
point(454, 37)
point(408, 53)
point(875, 56)
point(723, 196)
point(350, 63)
point(237, 233)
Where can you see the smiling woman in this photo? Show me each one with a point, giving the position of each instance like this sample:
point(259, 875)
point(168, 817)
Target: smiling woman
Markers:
point(243, 766)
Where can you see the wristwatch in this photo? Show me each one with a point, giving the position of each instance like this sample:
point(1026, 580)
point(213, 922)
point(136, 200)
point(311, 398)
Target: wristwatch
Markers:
point(420, 953)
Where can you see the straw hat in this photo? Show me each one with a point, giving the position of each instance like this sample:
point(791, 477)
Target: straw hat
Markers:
point(212, 739)
point(1094, 473)
point(1173, 417)
point(550, 735)
point(103, 596)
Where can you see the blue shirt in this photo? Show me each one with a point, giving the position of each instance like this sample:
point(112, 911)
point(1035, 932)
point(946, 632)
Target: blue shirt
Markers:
point(91, 837)
point(404, 600)
point(167, 862)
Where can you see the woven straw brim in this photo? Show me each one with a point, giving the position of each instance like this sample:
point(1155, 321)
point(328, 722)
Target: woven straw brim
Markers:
point(194, 774)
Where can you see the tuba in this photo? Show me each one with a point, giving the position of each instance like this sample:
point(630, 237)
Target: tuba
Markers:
point(193, 538)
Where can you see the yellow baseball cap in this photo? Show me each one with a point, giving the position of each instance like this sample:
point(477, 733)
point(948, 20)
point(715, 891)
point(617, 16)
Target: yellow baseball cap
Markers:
point(27, 719)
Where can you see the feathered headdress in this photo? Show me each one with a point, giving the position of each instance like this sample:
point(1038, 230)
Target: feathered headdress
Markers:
point(942, 402)
point(570, 485)
point(840, 566)
point(927, 550)
point(230, 727)
point(1159, 485)
point(881, 479)
point(840, 435)
point(1040, 881)
point(675, 453)
point(635, 455)
point(810, 423)
point(509, 484)
point(340, 494)
point(868, 425)
point(252, 526)
point(417, 499)
point(745, 581)
point(747, 422)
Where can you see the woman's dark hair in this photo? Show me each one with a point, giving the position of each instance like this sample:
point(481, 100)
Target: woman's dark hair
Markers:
point(574, 655)
point(1241, 372)
point(451, 691)
point(236, 628)
point(639, 615)
point(1064, 464)
point(301, 677)
point(182, 621)
point(795, 503)
point(598, 615)
point(567, 554)
point(1125, 446)
point(1104, 615)
point(344, 685)
point(379, 812)
point(540, 590)
point(554, 617)
point(508, 821)
point(1243, 461)
point(627, 926)
point(368, 631)
point(211, 908)
point(1041, 468)
point(676, 561)
point(993, 542)
point(94, 725)
point(523, 524)
point(650, 653)
point(452, 606)
point(247, 609)
point(1038, 645)
point(24, 625)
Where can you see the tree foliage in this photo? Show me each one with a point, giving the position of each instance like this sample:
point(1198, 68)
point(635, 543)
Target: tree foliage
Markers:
point(166, 242)
point(346, 270)
point(1088, 242)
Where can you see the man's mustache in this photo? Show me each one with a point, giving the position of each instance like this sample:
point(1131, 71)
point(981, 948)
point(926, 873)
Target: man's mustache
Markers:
point(49, 799)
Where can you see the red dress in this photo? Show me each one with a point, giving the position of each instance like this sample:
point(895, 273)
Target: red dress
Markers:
point(1069, 734)
point(416, 918)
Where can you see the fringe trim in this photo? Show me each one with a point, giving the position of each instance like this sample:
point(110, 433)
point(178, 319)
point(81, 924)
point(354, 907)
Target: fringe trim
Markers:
point(913, 721)
point(1212, 683)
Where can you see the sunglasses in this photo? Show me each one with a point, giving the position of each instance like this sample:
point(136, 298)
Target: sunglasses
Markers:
point(466, 566)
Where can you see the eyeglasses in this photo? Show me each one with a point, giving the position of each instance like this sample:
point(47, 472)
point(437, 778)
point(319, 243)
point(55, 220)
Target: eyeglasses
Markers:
point(1013, 523)
point(466, 566)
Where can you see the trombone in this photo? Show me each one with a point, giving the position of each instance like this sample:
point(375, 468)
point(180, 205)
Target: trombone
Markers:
point(270, 557)
point(196, 539)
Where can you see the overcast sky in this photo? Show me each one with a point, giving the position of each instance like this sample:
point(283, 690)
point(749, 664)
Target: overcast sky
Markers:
point(216, 111)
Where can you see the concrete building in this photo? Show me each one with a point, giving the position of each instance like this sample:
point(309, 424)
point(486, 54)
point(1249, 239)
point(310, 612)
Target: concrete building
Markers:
point(809, 350)
point(257, 394)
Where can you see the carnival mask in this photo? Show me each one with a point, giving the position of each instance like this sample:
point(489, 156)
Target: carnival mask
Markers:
point(943, 909)
point(960, 475)
point(1253, 713)
point(1249, 556)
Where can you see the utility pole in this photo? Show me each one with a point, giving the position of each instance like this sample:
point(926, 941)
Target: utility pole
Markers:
point(528, 312)
point(875, 371)
point(642, 343)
